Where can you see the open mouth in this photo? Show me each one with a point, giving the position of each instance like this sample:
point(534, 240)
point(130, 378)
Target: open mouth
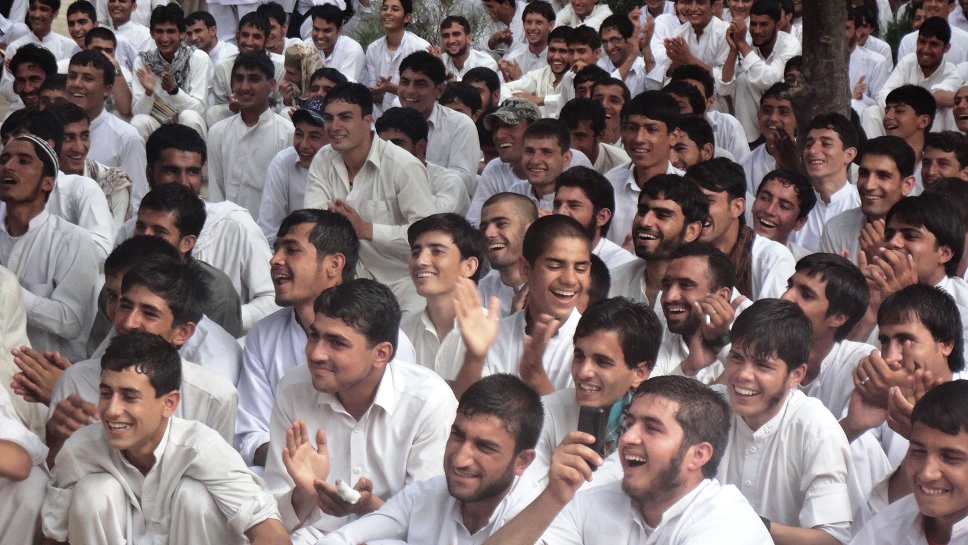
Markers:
point(744, 392)
point(633, 461)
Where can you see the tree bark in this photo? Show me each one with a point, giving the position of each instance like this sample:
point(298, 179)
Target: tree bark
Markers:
point(824, 85)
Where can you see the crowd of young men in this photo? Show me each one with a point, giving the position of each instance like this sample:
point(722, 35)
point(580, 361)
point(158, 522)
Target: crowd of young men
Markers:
point(563, 277)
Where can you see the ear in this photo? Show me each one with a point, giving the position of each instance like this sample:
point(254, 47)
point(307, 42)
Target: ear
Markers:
point(468, 267)
point(924, 121)
point(273, 84)
point(439, 91)
point(836, 320)
point(170, 403)
point(850, 153)
point(946, 348)
point(725, 293)
point(693, 231)
point(697, 456)
point(525, 269)
point(640, 374)
point(108, 89)
point(522, 460)
point(186, 243)
point(47, 184)
point(382, 354)
point(333, 265)
point(796, 376)
point(602, 217)
point(183, 333)
point(421, 148)
point(737, 207)
point(907, 185)
point(963, 173)
point(946, 48)
point(567, 161)
point(800, 223)
point(707, 152)
point(945, 254)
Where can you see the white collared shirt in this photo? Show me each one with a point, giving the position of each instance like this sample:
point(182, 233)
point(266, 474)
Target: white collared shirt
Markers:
point(61, 46)
point(842, 200)
point(474, 59)
point(771, 266)
point(612, 254)
point(793, 469)
point(13, 334)
point(239, 157)
point(117, 144)
point(956, 55)
point(191, 97)
point(878, 45)
point(491, 285)
point(729, 134)
point(757, 165)
point(874, 68)
point(284, 192)
point(138, 34)
point(57, 266)
point(842, 233)
point(488, 27)
point(383, 63)
point(540, 83)
point(80, 200)
point(347, 57)
point(504, 355)
point(946, 77)
point(568, 17)
point(527, 60)
point(710, 48)
point(627, 193)
point(452, 142)
point(412, 412)
point(834, 384)
point(188, 450)
point(140, 15)
point(449, 189)
point(391, 190)
point(902, 523)
point(218, 99)
point(221, 52)
point(609, 157)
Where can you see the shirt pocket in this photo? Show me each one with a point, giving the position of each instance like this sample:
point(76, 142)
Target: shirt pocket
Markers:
point(376, 211)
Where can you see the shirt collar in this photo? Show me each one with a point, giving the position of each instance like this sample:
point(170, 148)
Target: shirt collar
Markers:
point(385, 398)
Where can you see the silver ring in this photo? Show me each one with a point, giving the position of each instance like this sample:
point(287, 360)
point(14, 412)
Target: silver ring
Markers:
point(865, 381)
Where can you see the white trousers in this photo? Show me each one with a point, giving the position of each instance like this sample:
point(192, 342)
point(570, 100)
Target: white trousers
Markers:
point(102, 513)
point(191, 119)
point(20, 503)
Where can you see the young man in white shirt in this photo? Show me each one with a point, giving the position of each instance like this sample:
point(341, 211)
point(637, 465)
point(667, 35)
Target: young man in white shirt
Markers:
point(381, 188)
point(444, 248)
point(538, 18)
point(287, 174)
point(544, 86)
point(585, 120)
point(783, 202)
point(90, 80)
point(491, 444)
point(23, 477)
point(830, 148)
point(833, 294)
point(622, 58)
point(779, 128)
point(242, 146)
point(701, 40)
point(945, 156)
point(910, 114)
point(585, 195)
point(885, 176)
point(547, 152)
point(786, 452)
point(336, 49)
point(649, 123)
point(613, 95)
point(314, 251)
point(145, 474)
point(122, 23)
point(504, 32)
point(455, 49)
point(728, 132)
point(171, 81)
point(935, 511)
point(41, 15)
point(555, 264)
point(583, 12)
point(504, 220)
point(761, 264)
point(358, 398)
point(55, 261)
point(384, 55)
point(30, 67)
point(677, 431)
point(867, 70)
point(202, 32)
point(751, 69)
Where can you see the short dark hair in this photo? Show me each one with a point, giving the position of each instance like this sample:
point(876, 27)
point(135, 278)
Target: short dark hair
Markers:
point(561, 34)
point(946, 141)
point(935, 309)
point(42, 123)
point(774, 328)
point(255, 60)
point(691, 199)
point(452, 20)
point(149, 354)
point(174, 136)
point(256, 20)
point(590, 72)
point(470, 242)
point(585, 35)
point(407, 6)
point(34, 54)
point(367, 306)
point(839, 124)
point(944, 408)
point(82, 6)
point(718, 175)
point(936, 27)
point(510, 400)
point(521, 204)
point(638, 328)
point(96, 60)
point(68, 112)
point(655, 105)
point(778, 91)
point(577, 110)
point(540, 7)
point(703, 414)
point(57, 82)
point(795, 63)
point(695, 72)
point(200, 16)
point(550, 128)
point(770, 8)
point(331, 74)
point(55, 5)
point(174, 281)
point(406, 120)
point(806, 197)
point(619, 23)
point(894, 147)
point(615, 82)
point(273, 11)
point(918, 98)
point(464, 93)
point(352, 93)
point(545, 230)
point(938, 217)
point(599, 280)
point(953, 190)
point(688, 91)
point(168, 13)
point(139, 249)
point(596, 188)
point(189, 209)
point(846, 291)
point(329, 13)
point(426, 63)
point(698, 129)
point(484, 75)
point(100, 33)
point(722, 273)
point(331, 234)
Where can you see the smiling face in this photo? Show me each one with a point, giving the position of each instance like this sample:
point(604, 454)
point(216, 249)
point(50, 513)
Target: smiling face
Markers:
point(201, 36)
point(687, 281)
point(922, 245)
point(341, 360)
point(436, 264)
point(134, 419)
point(825, 156)
point(612, 99)
point(651, 451)
point(175, 166)
point(416, 90)
point(961, 109)
point(559, 58)
point(659, 228)
point(504, 230)
point(508, 139)
point(298, 273)
point(880, 185)
point(724, 214)
point(22, 179)
point(937, 468)
point(697, 13)
point(558, 277)
point(392, 16)
point(775, 210)
point(583, 8)
point(647, 141)
point(162, 224)
point(250, 38)
point(167, 38)
point(616, 47)
point(902, 121)
point(930, 52)
point(937, 163)
point(120, 11)
point(479, 459)
point(78, 25)
point(536, 29)
point(809, 292)
point(27, 82)
point(307, 140)
point(776, 114)
point(757, 386)
point(324, 35)
point(912, 342)
point(41, 17)
point(86, 88)
point(763, 30)
point(600, 372)
point(252, 89)
point(346, 125)
point(543, 161)
point(455, 40)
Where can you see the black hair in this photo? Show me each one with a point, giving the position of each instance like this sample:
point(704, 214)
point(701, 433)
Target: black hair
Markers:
point(100, 33)
point(839, 124)
point(452, 20)
point(470, 242)
point(42, 123)
point(590, 72)
point(584, 35)
point(894, 147)
point(174, 136)
point(367, 306)
point(464, 93)
point(149, 354)
point(331, 74)
point(255, 60)
point(953, 190)
point(806, 197)
point(695, 73)
point(846, 291)
point(935, 309)
point(175, 282)
point(257, 21)
point(698, 129)
point(273, 11)
point(540, 7)
point(67, 112)
point(352, 93)
point(688, 91)
point(947, 141)
point(719, 174)
point(168, 13)
point(944, 408)
point(95, 59)
point(82, 6)
point(722, 273)
point(510, 400)
point(655, 105)
point(638, 328)
point(406, 120)
point(550, 128)
point(426, 63)
point(691, 199)
point(203, 17)
point(619, 23)
point(599, 280)
point(189, 209)
point(918, 98)
point(774, 328)
point(596, 188)
point(34, 54)
point(544, 231)
point(57, 82)
point(938, 217)
point(936, 27)
point(331, 234)
point(139, 249)
point(484, 75)
point(770, 8)
point(577, 110)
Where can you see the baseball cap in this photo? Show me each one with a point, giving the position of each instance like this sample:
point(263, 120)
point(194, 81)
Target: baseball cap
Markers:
point(311, 112)
point(513, 111)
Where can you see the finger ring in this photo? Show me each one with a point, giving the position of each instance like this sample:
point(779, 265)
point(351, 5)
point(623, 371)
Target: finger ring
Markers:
point(715, 312)
point(865, 381)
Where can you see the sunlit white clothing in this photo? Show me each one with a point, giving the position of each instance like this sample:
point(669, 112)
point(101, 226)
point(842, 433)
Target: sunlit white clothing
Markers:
point(842, 200)
point(627, 193)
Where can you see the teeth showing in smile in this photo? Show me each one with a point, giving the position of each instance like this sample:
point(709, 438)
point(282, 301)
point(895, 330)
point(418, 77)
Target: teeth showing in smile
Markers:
point(635, 461)
point(931, 491)
point(743, 391)
point(563, 294)
point(768, 224)
point(496, 247)
point(118, 426)
point(425, 275)
point(587, 388)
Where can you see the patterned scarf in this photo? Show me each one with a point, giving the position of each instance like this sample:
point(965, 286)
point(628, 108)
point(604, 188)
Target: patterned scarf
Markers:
point(180, 67)
point(742, 259)
point(306, 58)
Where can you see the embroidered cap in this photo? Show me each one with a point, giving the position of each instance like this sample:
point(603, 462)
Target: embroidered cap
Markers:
point(44, 152)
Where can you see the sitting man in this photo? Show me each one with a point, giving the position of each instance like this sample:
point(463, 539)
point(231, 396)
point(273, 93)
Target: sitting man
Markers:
point(783, 201)
point(144, 474)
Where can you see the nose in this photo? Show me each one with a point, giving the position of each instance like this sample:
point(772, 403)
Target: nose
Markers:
point(929, 471)
point(896, 242)
point(789, 295)
point(130, 321)
point(276, 258)
point(112, 406)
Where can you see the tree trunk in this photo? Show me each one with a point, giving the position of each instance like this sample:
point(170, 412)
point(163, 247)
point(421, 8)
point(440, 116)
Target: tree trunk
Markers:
point(824, 82)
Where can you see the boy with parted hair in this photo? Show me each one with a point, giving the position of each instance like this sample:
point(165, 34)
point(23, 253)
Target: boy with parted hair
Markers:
point(783, 201)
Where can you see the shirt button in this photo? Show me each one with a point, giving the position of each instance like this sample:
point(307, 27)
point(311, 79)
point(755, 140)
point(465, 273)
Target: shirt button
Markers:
point(357, 430)
point(748, 484)
point(752, 449)
point(356, 470)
